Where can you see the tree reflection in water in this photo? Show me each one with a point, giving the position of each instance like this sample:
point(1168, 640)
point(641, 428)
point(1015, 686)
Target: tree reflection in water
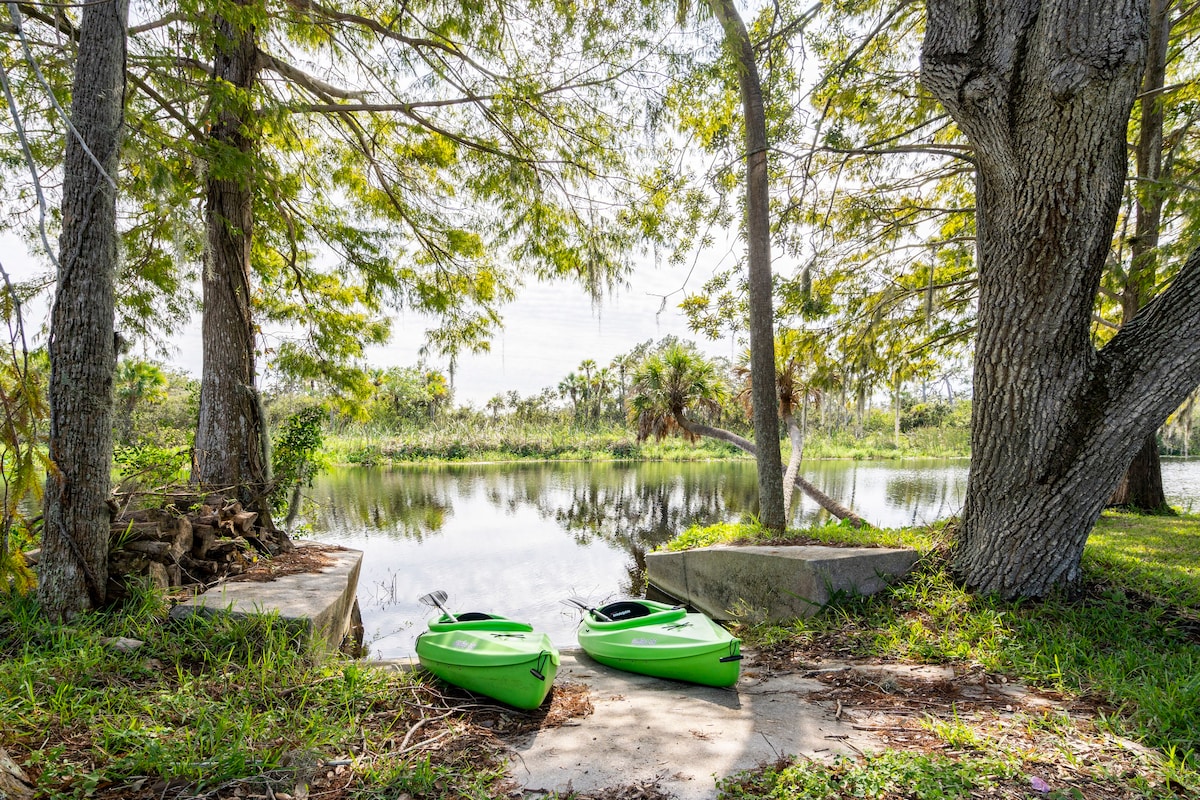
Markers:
point(519, 538)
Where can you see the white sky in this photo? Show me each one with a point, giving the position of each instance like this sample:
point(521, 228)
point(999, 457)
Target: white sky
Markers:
point(548, 330)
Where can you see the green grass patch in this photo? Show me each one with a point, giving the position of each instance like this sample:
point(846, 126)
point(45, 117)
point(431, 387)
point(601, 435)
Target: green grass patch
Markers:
point(1158, 556)
point(506, 439)
point(907, 775)
point(212, 704)
point(832, 532)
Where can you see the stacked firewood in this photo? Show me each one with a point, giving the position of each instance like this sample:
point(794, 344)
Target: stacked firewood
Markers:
point(168, 548)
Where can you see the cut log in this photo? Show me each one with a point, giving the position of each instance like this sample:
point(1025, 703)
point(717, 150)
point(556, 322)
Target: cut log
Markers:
point(243, 521)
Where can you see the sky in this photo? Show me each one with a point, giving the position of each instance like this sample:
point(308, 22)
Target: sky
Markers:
point(547, 331)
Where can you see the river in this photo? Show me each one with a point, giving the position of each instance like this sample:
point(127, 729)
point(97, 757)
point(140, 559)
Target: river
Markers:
point(518, 539)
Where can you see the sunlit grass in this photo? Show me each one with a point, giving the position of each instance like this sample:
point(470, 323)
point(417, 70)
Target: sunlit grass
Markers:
point(210, 702)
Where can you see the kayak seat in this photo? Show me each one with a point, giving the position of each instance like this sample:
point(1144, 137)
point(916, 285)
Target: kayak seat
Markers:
point(472, 616)
point(624, 609)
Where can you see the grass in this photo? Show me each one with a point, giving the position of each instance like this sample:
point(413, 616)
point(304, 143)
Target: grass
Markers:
point(216, 706)
point(1127, 642)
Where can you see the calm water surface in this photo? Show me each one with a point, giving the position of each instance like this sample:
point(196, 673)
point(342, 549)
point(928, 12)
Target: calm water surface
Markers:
point(518, 539)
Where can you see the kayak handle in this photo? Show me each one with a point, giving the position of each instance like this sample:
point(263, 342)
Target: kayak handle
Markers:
point(536, 672)
point(727, 659)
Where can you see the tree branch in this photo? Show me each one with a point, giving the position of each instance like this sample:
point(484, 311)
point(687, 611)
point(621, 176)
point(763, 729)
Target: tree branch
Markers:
point(302, 78)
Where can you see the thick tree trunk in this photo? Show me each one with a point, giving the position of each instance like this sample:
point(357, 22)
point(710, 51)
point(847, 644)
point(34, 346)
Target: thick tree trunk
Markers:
point(1043, 91)
point(230, 454)
point(758, 237)
point(74, 563)
point(823, 500)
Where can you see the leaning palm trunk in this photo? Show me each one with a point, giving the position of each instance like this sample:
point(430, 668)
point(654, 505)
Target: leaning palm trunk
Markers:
point(796, 437)
point(823, 500)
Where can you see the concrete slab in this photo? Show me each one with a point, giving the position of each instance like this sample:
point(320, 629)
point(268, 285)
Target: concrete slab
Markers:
point(683, 736)
point(762, 583)
point(316, 602)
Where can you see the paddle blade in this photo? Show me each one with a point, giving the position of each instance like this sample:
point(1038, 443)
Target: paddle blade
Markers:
point(436, 599)
point(583, 606)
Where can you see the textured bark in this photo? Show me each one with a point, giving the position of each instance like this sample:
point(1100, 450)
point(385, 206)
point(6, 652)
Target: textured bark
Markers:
point(229, 454)
point(823, 500)
point(73, 570)
point(1044, 90)
point(758, 237)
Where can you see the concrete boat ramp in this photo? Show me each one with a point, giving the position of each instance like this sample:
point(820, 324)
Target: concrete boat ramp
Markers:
point(678, 736)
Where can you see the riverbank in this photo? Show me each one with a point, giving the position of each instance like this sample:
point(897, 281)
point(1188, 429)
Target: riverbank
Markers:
point(238, 708)
point(502, 441)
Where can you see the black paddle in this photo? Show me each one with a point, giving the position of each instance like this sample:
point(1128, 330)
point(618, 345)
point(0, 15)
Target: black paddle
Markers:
point(580, 604)
point(436, 599)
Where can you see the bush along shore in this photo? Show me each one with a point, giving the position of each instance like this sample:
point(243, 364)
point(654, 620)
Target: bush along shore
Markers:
point(505, 442)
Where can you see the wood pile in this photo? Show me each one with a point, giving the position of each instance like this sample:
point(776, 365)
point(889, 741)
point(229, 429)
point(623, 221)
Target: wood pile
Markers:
point(168, 547)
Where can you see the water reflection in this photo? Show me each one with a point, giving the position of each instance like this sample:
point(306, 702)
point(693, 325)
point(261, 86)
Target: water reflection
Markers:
point(517, 539)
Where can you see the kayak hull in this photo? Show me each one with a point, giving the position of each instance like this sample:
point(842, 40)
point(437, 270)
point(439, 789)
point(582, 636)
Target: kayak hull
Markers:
point(497, 657)
point(664, 642)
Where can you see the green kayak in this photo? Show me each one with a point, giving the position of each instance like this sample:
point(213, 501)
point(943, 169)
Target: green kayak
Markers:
point(663, 641)
point(490, 655)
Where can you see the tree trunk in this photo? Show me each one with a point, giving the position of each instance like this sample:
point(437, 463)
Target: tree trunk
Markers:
point(1044, 91)
point(896, 410)
point(758, 237)
point(796, 437)
point(230, 453)
point(74, 563)
point(1142, 481)
point(825, 501)
point(1141, 488)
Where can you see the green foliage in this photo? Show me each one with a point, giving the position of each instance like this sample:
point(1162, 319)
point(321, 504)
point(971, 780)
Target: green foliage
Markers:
point(136, 382)
point(673, 384)
point(917, 776)
point(296, 457)
point(924, 415)
point(147, 467)
point(721, 533)
point(23, 460)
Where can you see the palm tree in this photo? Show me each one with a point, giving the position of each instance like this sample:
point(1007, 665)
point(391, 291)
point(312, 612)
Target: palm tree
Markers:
point(570, 386)
point(670, 388)
point(495, 405)
point(602, 383)
point(137, 382)
point(674, 388)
